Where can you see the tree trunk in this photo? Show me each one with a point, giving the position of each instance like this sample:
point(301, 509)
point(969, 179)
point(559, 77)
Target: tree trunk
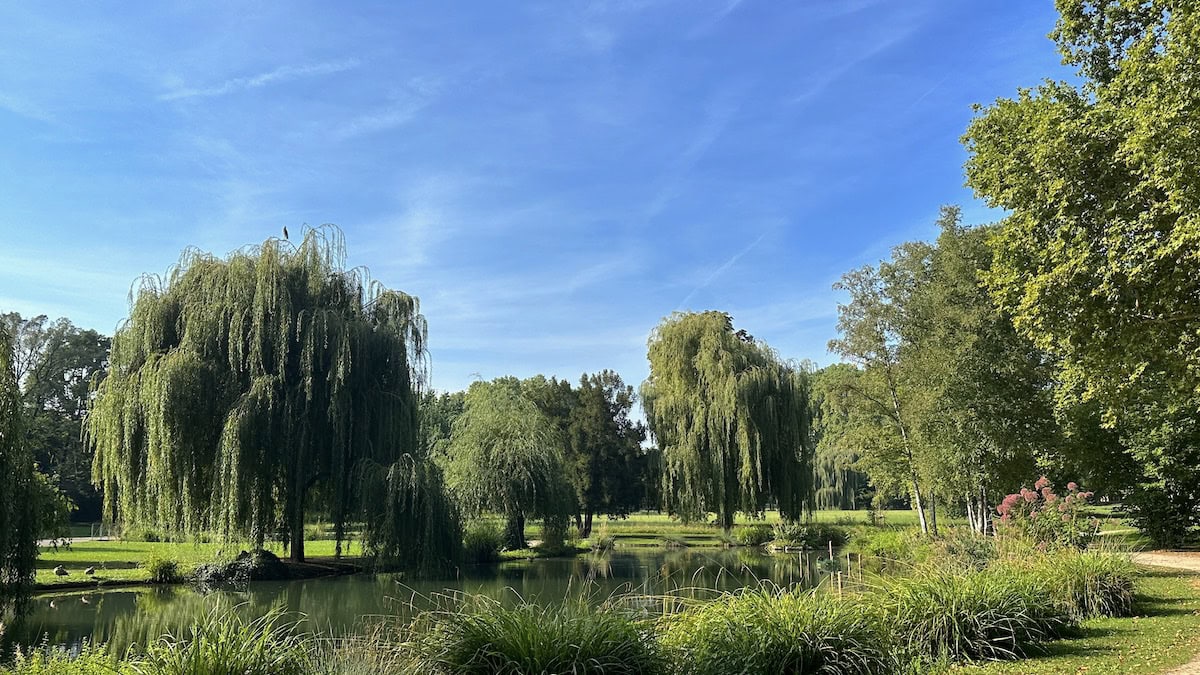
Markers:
point(912, 468)
point(514, 536)
point(971, 514)
point(297, 538)
point(919, 505)
point(933, 513)
point(579, 524)
point(587, 526)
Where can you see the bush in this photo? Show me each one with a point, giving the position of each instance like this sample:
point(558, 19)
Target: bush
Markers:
point(753, 535)
point(809, 535)
point(163, 570)
point(482, 636)
point(1047, 518)
point(1166, 511)
point(256, 565)
point(768, 630)
point(482, 541)
point(941, 614)
point(966, 548)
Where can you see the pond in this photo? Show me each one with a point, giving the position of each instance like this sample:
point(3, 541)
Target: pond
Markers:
point(348, 604)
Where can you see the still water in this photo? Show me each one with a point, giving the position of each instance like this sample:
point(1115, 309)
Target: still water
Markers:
point(349, 604)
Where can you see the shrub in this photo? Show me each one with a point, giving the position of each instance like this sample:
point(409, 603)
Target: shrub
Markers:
point(163, 570)
point(1166, 511)
point(767, 630)
point(482, 636)
point(224, 644)
point(482, 541)
point(753, 535)
point(1047, 518)
point(256, 565)
point(810, 535)
point(942, 614)
point(967, 549)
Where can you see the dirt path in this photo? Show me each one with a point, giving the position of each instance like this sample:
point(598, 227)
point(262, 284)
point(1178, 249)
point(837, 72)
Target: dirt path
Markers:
point(1179, 561)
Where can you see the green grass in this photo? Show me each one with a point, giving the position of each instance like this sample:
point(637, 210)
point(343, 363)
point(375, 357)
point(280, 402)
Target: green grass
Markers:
point(125, 561)
point(1164, 633)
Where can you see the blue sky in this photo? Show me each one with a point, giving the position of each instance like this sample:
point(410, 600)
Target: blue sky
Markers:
point(550, 179)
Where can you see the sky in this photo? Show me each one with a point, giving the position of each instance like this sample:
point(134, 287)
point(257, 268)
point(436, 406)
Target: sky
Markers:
point(550, 179)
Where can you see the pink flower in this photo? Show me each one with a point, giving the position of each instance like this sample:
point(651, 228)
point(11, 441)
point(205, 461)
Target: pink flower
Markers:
point(1051, 498)
point(1087, 495)
point(1041, 483)
point(1029, 495)
point(1066, 518)
point(1047, 492)
point(1072, 486)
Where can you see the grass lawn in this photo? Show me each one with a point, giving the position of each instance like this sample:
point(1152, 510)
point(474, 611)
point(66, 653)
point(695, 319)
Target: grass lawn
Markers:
point(121, 560)
point(1164, 634)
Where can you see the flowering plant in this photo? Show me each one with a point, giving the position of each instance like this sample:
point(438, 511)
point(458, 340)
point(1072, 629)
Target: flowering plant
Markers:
point(1046, 517)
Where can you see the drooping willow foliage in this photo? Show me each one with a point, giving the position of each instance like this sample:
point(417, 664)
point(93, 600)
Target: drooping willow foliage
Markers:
point(507, 456)
point(18, 533)
point(731, 418)
point(246, 392)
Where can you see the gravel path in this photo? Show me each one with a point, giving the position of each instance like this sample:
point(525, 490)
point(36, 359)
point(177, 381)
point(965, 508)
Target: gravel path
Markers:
point(1181, 561)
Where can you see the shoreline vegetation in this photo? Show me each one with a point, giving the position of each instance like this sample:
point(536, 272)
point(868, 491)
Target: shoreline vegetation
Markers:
point(986, 609)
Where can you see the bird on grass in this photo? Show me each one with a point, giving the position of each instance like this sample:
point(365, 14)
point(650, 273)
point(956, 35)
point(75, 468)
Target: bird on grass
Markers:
point(90, 571)
point(85, 600)
point(61, 571)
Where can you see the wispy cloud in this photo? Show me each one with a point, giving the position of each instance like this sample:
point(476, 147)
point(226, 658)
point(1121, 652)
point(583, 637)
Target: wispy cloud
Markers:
point(24, 108)
point(720, 113)
point(276, 76)
point(401, 109)
point(724, 267)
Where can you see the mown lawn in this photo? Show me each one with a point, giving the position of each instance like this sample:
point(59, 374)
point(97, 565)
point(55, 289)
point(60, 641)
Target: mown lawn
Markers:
point(123, 560)
point(1164, 634)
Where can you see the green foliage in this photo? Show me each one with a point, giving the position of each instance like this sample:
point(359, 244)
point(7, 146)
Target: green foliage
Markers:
point(482, 636)
point(225, 644)
point(602, 538)
point(1099, 260)
point(56, 363)
point(808, 534)
point(768, 630)
point(483, 539)
point(1091, 584)
point(753, 535)
point(731, 418)
point(412, 520)
point(939, 613)
point(163, 570)
point(18, 516)
point(89, 660)
point(506, 456)
point(53, 507)
point(246, 392)
point(1047, 518)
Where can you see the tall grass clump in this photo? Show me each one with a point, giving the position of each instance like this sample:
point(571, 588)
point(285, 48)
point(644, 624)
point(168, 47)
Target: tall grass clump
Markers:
point(944, 614)
point(482, 541)
point(482, 636)
point(1090, 584)
point(770, 630)
point(224, 644)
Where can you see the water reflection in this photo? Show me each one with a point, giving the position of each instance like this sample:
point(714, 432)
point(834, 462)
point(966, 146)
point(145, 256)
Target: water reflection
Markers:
point(654, 580)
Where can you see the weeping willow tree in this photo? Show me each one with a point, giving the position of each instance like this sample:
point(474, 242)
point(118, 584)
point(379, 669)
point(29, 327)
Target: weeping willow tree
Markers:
point(249, 391)
point(507, 456)
point(18, 545)
point(731, 418)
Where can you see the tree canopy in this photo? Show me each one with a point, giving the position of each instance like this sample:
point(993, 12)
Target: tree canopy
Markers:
point(1099, 259)
point(732, 420)
point(246, 392)
point(507, 456)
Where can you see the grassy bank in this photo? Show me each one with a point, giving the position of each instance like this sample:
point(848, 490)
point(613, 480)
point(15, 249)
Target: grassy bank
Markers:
point(129, 561)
